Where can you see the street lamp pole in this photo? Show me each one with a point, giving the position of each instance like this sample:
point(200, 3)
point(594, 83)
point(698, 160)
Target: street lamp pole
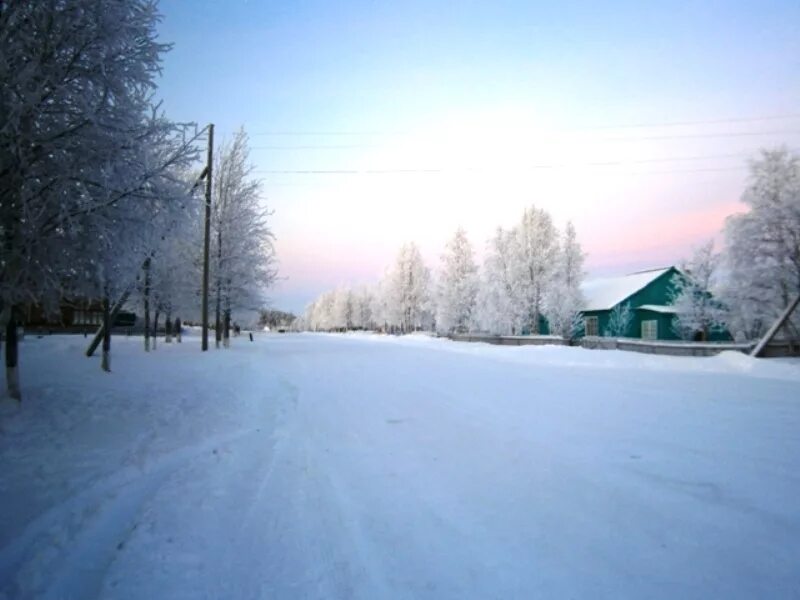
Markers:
point(207, 233)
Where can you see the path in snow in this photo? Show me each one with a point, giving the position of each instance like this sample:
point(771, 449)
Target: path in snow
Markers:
point(312, 466)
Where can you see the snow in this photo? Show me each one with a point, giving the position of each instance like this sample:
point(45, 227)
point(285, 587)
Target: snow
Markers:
point(659, 308)
point(367, 466)
point(605, 293)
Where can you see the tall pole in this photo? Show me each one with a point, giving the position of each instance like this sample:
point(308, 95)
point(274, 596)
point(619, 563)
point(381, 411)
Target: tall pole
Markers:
point(207, 233)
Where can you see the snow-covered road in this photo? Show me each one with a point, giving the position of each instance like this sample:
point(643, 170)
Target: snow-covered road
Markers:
point(314, 466)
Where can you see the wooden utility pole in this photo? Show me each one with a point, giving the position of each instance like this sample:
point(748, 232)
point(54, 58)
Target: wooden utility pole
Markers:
point(762, 344)
point(106, 361)
point(205, 173)
point(114, 311)
point(147, 304)
point(217, 321)
point(207, 233)
point(12, 357)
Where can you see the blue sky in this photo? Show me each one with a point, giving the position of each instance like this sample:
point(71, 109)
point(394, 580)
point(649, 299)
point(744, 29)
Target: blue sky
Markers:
point(465, 85)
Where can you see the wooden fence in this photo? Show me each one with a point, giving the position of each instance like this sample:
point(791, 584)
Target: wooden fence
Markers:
point(677, 348)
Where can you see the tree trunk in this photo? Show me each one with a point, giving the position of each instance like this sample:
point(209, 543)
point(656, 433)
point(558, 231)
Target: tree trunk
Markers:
point(227, 332)
point(168, 329)
point(12, 355)
point(155, 329)
point(106, 361)
point(178, 329)
point(218, 335)
point(147, 305)
point(217, 321)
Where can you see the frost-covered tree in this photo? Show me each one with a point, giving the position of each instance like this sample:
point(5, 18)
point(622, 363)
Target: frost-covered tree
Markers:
point(762, 255)
point(563, 299)
point(379, 305)
point(697, 312)
point(272, 318)
point(79, 139)
point(499, 307)
point(342, 309)
point(408, 290)
point(518, 271)
point(458, 286)
point(320, 315)
point(534, 263)
point(619, 321)
point(245, 263)
point(362, 308)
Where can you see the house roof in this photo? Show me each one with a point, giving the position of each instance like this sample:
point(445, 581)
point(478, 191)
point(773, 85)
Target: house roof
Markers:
point(607, 292)
point(659, 308)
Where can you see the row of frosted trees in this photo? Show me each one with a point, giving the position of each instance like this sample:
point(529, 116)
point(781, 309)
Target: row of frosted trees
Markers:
point(532, 273)
point(242, 262)
point(746, 286)
point(99, 190)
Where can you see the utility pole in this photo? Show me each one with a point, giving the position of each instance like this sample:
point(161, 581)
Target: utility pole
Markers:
point(762, 344)
point(207, 233)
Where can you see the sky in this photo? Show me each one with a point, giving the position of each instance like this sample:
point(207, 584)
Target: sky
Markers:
point(374, 124)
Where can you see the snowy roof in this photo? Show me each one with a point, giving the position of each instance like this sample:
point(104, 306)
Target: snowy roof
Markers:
point(659, 308)
point(607, 292)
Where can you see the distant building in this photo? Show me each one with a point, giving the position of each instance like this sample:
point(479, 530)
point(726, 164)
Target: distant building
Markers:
point(647, 293)
point(73, 315)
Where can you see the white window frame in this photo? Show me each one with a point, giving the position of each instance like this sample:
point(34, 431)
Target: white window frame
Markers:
point(650, 329)
point(595, 321)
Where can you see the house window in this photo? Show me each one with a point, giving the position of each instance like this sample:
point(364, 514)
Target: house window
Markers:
point(590, 325)
point(87, 317)
point(650, 330)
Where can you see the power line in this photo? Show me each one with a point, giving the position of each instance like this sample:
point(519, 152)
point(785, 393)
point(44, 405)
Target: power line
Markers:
point(692, 123)
point(315, 147)
point(541, 166)
point(741, 168)
point(748, 119)
point(688, 136)
point(471, 170)
point(626, 138)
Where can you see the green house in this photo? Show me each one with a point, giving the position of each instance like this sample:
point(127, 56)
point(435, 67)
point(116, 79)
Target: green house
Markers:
point(647, 293)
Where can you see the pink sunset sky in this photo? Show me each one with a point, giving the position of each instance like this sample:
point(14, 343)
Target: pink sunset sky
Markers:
point(374, 124)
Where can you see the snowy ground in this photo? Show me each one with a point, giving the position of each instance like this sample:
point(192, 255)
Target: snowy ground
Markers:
point(313, 466)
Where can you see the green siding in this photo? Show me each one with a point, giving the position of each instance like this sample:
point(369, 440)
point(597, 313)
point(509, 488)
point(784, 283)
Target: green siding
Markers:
point(656, 292)
point(602, 318)
point(544, 327)
point(664, 321)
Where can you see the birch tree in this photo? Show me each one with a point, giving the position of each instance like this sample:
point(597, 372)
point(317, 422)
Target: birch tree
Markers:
point(458, 286)
point(619, 321)
point(534, 264)
point(76, 121)
point(563, 298)
point(245, 263)
point(697, 312)
point(409, 290)
point(762, 255)
point(498, 295)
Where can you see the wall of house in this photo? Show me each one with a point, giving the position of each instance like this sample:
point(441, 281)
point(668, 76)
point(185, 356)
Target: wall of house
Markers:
point(657, 291)
point(664, 321)
point(544, 327)
point(602, 319)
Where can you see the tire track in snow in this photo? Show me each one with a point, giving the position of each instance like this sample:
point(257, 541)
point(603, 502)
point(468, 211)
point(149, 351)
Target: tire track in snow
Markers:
point(333, 530)
point(281, 437)
point(49, 558)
